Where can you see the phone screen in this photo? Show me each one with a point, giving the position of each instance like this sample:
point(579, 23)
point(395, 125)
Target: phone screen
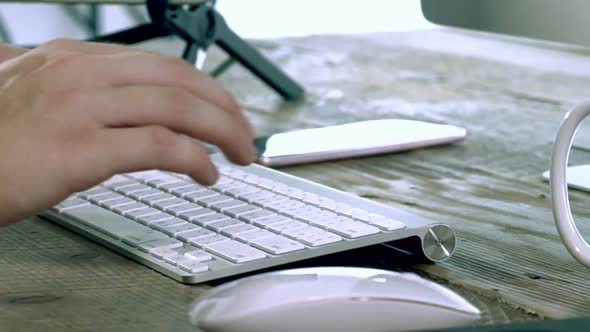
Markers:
point(354, 139)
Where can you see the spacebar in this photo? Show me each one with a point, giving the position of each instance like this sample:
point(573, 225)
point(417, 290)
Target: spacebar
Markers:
point(107, 222)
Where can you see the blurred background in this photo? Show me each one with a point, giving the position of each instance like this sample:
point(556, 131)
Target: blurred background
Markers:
point(30, 24)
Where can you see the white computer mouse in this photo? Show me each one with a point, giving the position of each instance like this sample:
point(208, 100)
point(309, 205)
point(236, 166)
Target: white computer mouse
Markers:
point(331, 299)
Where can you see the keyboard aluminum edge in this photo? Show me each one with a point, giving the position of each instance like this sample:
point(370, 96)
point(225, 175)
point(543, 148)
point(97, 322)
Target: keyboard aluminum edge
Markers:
point(187, 278)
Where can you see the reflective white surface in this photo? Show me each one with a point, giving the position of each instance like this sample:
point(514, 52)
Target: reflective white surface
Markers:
point(331, 299)
point(354, 139)
point(562, 214)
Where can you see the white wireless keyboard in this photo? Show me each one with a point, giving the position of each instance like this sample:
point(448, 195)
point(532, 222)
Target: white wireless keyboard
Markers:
point(253, 218)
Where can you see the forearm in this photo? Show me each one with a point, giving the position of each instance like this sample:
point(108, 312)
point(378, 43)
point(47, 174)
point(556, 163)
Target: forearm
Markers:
point(8, 52)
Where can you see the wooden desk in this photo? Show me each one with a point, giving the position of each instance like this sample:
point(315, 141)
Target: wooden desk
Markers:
point(510, 263)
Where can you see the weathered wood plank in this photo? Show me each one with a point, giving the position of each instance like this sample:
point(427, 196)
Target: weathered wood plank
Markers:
point(488, 187)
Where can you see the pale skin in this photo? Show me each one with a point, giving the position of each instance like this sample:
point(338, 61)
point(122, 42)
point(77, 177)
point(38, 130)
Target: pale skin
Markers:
point(72, 114)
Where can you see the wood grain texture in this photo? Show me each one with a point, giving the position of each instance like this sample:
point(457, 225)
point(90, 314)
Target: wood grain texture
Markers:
point(510, 262)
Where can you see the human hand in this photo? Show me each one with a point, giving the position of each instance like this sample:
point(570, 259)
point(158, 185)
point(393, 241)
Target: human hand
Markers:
point(8, 52)
point(72, 114)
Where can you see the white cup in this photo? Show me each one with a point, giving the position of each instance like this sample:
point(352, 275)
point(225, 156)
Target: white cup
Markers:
point(562, 214)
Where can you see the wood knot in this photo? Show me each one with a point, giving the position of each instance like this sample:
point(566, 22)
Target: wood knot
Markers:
point(85, 256)
point(533, 276)
point(34, 299)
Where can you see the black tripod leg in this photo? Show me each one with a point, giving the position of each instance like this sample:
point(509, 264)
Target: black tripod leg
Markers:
point(4, 34)
point(190, 52)
point(250, 58)
point(134, 35)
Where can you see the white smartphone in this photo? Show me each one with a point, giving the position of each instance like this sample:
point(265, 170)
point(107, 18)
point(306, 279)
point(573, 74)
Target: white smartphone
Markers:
point(578, 177)
point(353, 140)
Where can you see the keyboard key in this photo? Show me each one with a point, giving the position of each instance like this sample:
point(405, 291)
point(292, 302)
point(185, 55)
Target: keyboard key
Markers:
point(114, 179)
point(228, 185)
point(110, 204)
point(326, 218)
point(120, 184)
point(310, 198)
point(326, 203)
point(135, 206)
point(222, 206)
point(291, 211)
point(181, 176)
point(165, 224)
point(194, 214)
point(283, 204)
point(371, 217)
point(234, 251)
point(142, 175)
point(106, 221)
point(274, 220)
point(182, 208)
point(231, 171)
point(198, 255)
point(237, 229)
point(351, 229)
point(193, 197)
point(255, 215)
point(153, 218)
point(253, 235)
point(295, 193)
point(153, 199)
point(239, 210)
point(342, 208)
point(127, 190)
point(100, 199)
point(161, 180)
point(211, 200)
point(169, 203)
point(218, 226)
point(250, 178)
point(167, 254)
point(96, 191)
point(141, 194)
point(314, 237)
point(180, 228)
point(255, 197)
point(70, 204)
point(146, 211)
point(270, 199)
point(356, 212)
point(386, 224)
point(277, 244)
point(192, 188)
point(195, 234)
point(168, 187)
point(220, 181)
point(351, 212)
point(207, 219)
point(289, 226)
point(281, 188)
point(191, 265)
point(238, 192)
point(141, 238)
point(310, 213)
point(207, 240)
point(267, 183)
point(169, 243)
